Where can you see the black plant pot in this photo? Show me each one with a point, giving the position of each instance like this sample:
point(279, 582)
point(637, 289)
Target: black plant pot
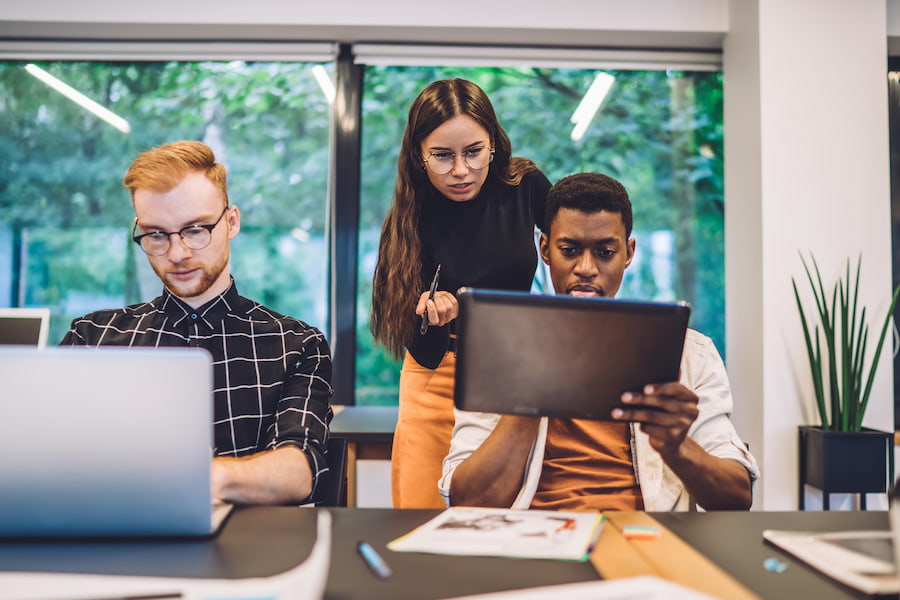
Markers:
point(848, 462)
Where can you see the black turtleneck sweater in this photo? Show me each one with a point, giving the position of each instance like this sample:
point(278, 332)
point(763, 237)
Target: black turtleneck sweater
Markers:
point(486, 242)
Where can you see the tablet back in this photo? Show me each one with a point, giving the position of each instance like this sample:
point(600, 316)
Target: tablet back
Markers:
point(561, 356)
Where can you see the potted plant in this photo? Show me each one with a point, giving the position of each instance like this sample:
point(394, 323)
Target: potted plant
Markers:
point(840, 455)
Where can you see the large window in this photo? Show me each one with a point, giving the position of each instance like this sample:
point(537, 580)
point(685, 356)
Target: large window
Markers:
point(658, 132)
point(65, 219)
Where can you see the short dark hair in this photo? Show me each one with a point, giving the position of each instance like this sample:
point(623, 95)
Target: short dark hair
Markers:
point(589, 193)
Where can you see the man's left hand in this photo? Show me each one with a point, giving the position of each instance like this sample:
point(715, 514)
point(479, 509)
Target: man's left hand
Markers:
point(665, 412)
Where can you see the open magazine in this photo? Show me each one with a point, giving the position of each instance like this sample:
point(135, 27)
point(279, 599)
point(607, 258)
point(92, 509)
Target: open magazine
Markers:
point(505, 532)
point(860, 559)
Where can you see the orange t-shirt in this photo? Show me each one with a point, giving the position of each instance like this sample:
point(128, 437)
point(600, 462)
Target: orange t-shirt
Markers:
point(588, 466)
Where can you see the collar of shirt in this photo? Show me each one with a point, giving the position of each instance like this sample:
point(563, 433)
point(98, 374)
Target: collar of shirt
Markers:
point(206, 316)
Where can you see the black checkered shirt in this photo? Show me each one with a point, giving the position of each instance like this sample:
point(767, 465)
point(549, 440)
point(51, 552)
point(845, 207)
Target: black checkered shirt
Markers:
point(272, 373)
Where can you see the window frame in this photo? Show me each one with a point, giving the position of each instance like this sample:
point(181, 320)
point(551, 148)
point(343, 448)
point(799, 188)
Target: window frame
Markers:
point(343, 203)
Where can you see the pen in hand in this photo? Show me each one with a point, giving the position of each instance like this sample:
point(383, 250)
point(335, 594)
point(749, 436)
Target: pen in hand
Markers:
point(434, 283)
point(375, 562)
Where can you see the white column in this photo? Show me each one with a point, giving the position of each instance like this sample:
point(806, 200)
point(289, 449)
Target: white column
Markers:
point(806, 169)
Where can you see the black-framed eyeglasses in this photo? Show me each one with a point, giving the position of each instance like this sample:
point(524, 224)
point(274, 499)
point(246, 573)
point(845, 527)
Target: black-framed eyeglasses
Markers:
point(195, 237)
point(441, 163)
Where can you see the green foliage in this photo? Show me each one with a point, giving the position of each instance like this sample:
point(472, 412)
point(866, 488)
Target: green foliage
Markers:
point(61, 200)
point(658, 132)
point(836, 338)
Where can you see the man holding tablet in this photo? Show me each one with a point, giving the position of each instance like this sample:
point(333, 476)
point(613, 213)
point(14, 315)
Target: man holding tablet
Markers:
point(668, 448)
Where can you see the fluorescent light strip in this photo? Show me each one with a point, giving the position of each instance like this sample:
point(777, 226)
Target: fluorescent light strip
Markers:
point(590, 104)
point(325, 83)
point(79, 98)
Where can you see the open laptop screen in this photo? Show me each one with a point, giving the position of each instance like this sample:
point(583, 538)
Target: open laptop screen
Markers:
point(110, 441)
point(562, 356)
point(24, 326)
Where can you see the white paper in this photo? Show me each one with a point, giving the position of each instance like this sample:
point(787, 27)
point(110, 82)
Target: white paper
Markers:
point(505, 532)
point(866, 573)
point(645, 587)
point(306, 581)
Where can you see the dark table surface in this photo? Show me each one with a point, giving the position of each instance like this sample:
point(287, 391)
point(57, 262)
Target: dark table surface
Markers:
point(263, 541)
point(733, 540)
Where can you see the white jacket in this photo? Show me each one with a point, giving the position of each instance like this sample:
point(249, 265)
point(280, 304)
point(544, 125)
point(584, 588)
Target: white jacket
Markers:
point(702, 370)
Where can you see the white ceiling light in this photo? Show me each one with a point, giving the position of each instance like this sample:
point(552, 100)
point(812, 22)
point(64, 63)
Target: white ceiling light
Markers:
point(79, 98)
point(590, 104)
point(325, 83)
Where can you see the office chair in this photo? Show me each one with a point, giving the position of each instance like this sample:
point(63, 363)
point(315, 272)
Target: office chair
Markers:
point(334, 491)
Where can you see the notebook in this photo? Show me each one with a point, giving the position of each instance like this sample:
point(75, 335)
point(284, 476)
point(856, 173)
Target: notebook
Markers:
point(106, 442)
point(561, 356)
point(24, 326)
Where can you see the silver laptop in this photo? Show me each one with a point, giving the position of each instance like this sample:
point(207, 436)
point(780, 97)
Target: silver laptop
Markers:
point(106, 442)
point(561, 356)
point(24, 326)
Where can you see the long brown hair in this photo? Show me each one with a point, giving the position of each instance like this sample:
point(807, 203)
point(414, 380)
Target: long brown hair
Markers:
point(398, 282)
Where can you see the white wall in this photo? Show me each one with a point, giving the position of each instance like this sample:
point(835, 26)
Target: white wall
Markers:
point(806, 140)
point(807, 168)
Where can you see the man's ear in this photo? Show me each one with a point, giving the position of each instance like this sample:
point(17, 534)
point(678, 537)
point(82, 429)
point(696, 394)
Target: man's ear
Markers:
point(234, 221)
point(630, 245)
point(545, 248)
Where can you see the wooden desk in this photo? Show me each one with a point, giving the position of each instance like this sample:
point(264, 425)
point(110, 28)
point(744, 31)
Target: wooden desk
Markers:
point(260, 541)
point(369, 431)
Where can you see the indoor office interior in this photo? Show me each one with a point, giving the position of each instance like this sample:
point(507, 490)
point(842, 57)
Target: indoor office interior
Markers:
point(749, 133)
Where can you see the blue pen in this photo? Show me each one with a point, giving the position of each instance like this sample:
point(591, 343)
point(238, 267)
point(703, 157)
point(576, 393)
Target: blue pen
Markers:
point(375, 562)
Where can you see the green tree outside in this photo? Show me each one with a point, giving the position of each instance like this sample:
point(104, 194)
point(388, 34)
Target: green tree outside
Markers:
point(658, 132)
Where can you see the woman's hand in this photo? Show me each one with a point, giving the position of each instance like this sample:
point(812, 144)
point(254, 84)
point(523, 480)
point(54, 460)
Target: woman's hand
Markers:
point(442, 309)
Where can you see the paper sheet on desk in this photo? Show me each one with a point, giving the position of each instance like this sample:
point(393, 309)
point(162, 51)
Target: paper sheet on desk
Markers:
point(630, 588)
point(306, 581)
point(859, 559)
point(505, 532)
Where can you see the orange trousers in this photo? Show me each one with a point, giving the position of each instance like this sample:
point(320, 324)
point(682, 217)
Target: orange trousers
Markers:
point(422, 437)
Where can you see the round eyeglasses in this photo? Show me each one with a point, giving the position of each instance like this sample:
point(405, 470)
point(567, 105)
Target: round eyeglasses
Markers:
point(195, 237)
point(441, 163)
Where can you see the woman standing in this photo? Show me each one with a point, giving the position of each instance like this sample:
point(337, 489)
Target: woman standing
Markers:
point(463, 206)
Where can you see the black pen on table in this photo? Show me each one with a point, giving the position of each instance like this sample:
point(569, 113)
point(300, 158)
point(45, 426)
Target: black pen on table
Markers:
point(434, 283)
point(375, 562)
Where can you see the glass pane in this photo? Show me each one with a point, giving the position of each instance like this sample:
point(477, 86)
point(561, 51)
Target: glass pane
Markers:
point(658, 132)
point(65, 218)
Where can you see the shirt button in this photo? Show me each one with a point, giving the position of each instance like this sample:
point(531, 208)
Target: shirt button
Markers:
point(194, 316)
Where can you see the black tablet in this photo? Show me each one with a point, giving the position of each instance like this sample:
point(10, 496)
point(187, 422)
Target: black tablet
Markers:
point(561, 356)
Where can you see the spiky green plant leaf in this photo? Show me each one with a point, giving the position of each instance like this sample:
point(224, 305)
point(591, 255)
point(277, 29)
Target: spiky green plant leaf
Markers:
point(843, 363)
